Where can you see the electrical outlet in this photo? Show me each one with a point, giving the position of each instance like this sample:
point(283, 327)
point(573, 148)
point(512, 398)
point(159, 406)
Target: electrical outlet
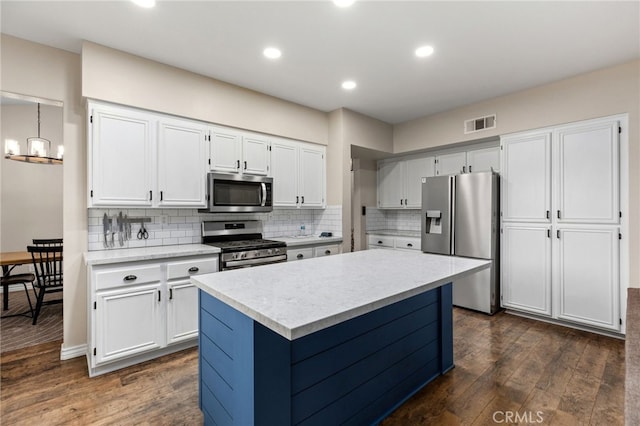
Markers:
point(164, 218)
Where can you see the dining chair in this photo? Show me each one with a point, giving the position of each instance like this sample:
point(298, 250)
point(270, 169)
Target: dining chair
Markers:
point(9, 280)
point(47, 264)
point(47, 242)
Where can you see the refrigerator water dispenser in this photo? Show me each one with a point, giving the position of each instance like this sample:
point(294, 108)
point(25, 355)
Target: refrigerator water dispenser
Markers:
point(434, 222)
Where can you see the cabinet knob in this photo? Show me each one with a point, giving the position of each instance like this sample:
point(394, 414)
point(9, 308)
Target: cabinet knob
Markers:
point(300, 256)
point(194, 269)
point(130, 278)
point(327, 252)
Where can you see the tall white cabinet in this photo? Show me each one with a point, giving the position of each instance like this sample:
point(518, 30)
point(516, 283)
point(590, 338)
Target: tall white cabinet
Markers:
point(561, 222)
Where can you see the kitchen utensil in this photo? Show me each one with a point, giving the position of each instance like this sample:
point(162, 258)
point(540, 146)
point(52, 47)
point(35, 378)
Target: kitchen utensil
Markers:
point(114, 227)
point(105, 230)
point(120, 229)
point(142, 233)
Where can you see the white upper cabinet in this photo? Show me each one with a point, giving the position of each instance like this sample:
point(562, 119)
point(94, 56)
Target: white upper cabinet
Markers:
point(312, 176)
point(121, 153)
point(284, 170)
point(415, 170)
point(483, 160)
point(182, 159)
point(299, 174)
point(225, 150)
point(390, 184)
point(526, 177)
point(400, 182)
point(449, 164)
point(587, 170)
point(255, 155)
point(234, 151)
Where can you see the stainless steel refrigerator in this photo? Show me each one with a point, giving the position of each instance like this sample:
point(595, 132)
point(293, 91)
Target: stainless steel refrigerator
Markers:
point(460, 218)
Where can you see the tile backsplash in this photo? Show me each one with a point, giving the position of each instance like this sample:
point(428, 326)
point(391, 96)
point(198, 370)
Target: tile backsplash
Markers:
point(182, 226)
point(400, 220)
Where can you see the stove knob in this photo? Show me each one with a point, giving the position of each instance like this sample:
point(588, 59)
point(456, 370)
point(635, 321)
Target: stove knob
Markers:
point(243, 255)
point(270, 252)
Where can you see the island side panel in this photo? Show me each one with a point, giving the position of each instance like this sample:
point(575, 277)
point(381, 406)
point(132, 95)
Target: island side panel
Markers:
point(359, 371)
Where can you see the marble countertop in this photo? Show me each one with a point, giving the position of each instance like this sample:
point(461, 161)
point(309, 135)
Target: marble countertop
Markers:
point(295, 299)
point(105, 257)
point(395, 233)
point(308, 240)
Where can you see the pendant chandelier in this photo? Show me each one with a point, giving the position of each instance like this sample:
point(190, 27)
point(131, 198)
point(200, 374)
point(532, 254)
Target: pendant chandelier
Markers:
point(38, 149)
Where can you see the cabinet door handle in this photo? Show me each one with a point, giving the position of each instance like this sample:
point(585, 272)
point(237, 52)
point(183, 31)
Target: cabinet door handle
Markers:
point(161, 195)
point(327, 252)
point(464, 169)
point(150, 195)
point(245, 165)
point(558, 214)
point(300, 256)
point(159, 295)
point(194, 269)
point(379, 242)
point(297, 199)
point(469, 169)
point(548, 214)
point(558, 234)
point(409, 245)
point(170, 294)
point(237, 164)
point(548, 233)
point(130, 278)
point(405, 202)
point(400, 201)
point(302, 199)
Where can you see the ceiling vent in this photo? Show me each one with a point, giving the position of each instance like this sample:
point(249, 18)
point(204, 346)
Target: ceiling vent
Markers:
point(480, 123)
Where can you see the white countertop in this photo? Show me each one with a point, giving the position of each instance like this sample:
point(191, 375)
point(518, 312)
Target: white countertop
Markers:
point(295, 299)
point(308, 240)
point(395, 233)
point(104, 257)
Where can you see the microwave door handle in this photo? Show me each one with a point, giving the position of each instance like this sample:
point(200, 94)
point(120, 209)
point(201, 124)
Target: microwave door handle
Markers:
point(263, 202)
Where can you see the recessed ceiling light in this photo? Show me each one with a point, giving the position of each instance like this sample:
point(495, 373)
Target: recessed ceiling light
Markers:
point(424, 51)
point(349, 85)
point(272, 53)
point(145, 3)
point(343, 3)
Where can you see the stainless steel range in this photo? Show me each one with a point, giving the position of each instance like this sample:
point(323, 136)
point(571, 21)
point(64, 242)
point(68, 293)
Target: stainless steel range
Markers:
point(242, 244)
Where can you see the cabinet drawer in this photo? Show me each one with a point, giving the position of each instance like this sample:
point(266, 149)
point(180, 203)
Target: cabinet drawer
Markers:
point(186, 268)
point(326, 250)
point(125, 276)
point(299, 254)
point(408, 243)
point(380, 241)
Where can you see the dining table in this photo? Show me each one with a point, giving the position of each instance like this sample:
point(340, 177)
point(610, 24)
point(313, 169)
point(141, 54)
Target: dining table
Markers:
point(8, 261)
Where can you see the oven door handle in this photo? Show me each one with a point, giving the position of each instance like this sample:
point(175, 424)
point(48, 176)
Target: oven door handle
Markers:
point(263, 201)
point(257, 261)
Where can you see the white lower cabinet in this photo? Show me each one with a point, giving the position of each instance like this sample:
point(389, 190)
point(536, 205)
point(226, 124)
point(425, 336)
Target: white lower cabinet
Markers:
point(130, 322)
point(393, 242)
point(142, 310)
point(526, 268)
point(309, 251)
point(587, 276)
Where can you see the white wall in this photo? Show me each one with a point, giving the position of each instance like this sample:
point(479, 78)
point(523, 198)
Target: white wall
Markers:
point(44, 72)
point(30, 194)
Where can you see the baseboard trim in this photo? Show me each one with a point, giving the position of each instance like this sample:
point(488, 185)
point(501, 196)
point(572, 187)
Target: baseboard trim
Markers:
point(566, 324)
point(72, 352)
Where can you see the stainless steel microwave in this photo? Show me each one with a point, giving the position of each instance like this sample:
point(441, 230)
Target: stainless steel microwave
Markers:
point(228, 193)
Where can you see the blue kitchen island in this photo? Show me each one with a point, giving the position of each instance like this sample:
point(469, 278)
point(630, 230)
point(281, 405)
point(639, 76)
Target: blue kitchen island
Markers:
point(331, 340)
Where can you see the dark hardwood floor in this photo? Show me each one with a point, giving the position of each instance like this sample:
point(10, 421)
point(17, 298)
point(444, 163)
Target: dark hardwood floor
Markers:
point(507, 368)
